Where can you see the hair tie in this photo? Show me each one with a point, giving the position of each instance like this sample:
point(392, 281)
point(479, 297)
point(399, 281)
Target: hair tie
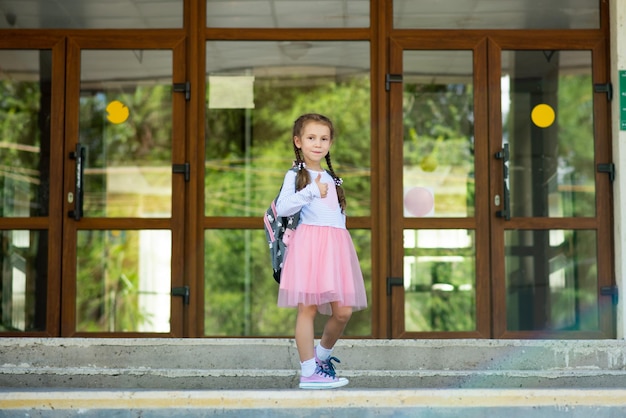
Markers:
point(338, 181)
point(299, 164)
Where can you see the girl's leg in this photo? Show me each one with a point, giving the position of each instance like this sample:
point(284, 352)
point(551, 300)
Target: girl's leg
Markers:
point(312, 375)
point(305, 331)
point(335, 325)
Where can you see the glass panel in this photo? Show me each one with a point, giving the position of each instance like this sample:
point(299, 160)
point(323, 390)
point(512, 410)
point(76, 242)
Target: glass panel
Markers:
point(92, 14)
point(25, 104)
point(439, 280)
point(123, 281)
point(438, 115)
point(288, 14)
point(24, 264)
point(126, 126)
point(551, 280)
point(241, 294)
point(547, 112)
point(256, 91)
point(489, 14)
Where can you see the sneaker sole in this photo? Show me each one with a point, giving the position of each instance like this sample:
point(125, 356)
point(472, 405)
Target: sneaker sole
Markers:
point(330, 385)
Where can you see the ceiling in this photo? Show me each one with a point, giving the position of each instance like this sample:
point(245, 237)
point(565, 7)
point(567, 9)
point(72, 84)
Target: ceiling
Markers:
point(265, 58)
point(433, 14)
point(497, 14)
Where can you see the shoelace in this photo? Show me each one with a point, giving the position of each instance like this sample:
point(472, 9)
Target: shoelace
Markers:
point(328, 367)
point(324, 372)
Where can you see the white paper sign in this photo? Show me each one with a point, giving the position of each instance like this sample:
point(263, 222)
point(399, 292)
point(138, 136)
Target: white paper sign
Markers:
point(235, 92)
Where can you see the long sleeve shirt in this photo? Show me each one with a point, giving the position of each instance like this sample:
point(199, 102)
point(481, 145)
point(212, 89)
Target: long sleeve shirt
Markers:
point(315, 210)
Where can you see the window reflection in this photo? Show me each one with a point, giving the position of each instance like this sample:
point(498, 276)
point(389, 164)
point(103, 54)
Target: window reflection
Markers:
point(288, 14)
point(260, 92)
point(240, 292)
point(24, 267)
point(551, 280)
point(485, 14)
point(126, 127)
point(438, 155)
point(123, 281)
point(547, 115)
point(92, 14)
point(439, 280)
point(24, 136)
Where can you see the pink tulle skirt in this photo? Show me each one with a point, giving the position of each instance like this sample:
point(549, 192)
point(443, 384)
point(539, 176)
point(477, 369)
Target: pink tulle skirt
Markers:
point(321, 266)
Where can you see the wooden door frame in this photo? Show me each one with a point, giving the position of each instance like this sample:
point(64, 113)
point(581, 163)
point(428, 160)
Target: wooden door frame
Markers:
point(32, 40)
point(127, 40)
point(596, 42)
point(490, 287)
point(440, 40)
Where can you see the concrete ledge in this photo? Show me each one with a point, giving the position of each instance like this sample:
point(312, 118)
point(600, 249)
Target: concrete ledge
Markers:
point(224, 353)
point(228, 379)
point(224, 364)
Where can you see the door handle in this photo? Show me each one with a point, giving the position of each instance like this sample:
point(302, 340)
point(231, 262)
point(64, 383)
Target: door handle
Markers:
point(506, 196)
point(79, 156)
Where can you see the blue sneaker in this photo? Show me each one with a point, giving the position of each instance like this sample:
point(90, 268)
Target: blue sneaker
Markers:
point(327, 365)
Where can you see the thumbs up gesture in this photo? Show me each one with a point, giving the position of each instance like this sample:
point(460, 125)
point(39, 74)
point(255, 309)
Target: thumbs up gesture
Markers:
point(322, 186)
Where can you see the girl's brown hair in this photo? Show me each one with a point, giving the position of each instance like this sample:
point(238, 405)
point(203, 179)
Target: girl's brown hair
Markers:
point(303, 178)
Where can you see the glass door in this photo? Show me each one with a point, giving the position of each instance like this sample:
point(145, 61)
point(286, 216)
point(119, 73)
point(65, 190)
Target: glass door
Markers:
point(552, 241)
point(439, 215)
point(501, 223)
point(124, 188)
point(31, 126)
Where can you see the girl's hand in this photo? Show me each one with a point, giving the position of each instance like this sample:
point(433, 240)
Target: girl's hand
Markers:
point(322, 186)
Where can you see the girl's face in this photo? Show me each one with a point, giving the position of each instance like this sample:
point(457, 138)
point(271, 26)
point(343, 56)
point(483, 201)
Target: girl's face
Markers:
point(315, 143)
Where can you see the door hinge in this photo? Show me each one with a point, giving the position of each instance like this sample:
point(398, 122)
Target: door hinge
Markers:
point(183, 88)
point(182, 291)
point(182, 169)
point(393, 281)
point(607, 168)
point(610, 291)
point(392, 78)
point(604, 88)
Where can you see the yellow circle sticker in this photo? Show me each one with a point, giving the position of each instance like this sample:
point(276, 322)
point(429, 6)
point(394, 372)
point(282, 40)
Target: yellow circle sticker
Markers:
point(542, 115)
point(117, 112)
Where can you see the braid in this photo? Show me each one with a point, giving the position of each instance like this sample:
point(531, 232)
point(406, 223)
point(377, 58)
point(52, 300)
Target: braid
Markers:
point(302, 177)
point(341, 196)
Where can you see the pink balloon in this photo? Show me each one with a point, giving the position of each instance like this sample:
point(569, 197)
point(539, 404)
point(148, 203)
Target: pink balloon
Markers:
point(419, 201)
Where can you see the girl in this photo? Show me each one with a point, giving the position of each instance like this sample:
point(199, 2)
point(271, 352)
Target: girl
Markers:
point(321, 270)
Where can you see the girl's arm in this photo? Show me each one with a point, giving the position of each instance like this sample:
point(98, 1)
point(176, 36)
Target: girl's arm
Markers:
point(290, 201)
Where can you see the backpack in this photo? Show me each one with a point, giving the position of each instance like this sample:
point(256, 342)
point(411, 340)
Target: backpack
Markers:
point(278, 232)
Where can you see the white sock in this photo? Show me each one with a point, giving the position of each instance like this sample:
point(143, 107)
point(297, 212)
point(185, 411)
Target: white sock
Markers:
point(323, 353)
point(308, 367)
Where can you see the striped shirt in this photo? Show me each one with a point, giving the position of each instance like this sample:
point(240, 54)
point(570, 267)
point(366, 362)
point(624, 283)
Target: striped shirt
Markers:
point(315, 210)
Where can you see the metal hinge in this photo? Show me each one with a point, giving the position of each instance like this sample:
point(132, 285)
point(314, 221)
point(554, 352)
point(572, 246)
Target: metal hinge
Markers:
point(183, 88)
point(607, 168)
point(604, 88)
point(610, 291)
point(392, 78)
point(182, 169)
point(393, 281)
point(182, 291)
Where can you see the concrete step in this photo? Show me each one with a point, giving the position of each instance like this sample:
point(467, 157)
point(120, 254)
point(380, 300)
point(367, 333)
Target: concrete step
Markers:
point(361, 403)
point(230, 364)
